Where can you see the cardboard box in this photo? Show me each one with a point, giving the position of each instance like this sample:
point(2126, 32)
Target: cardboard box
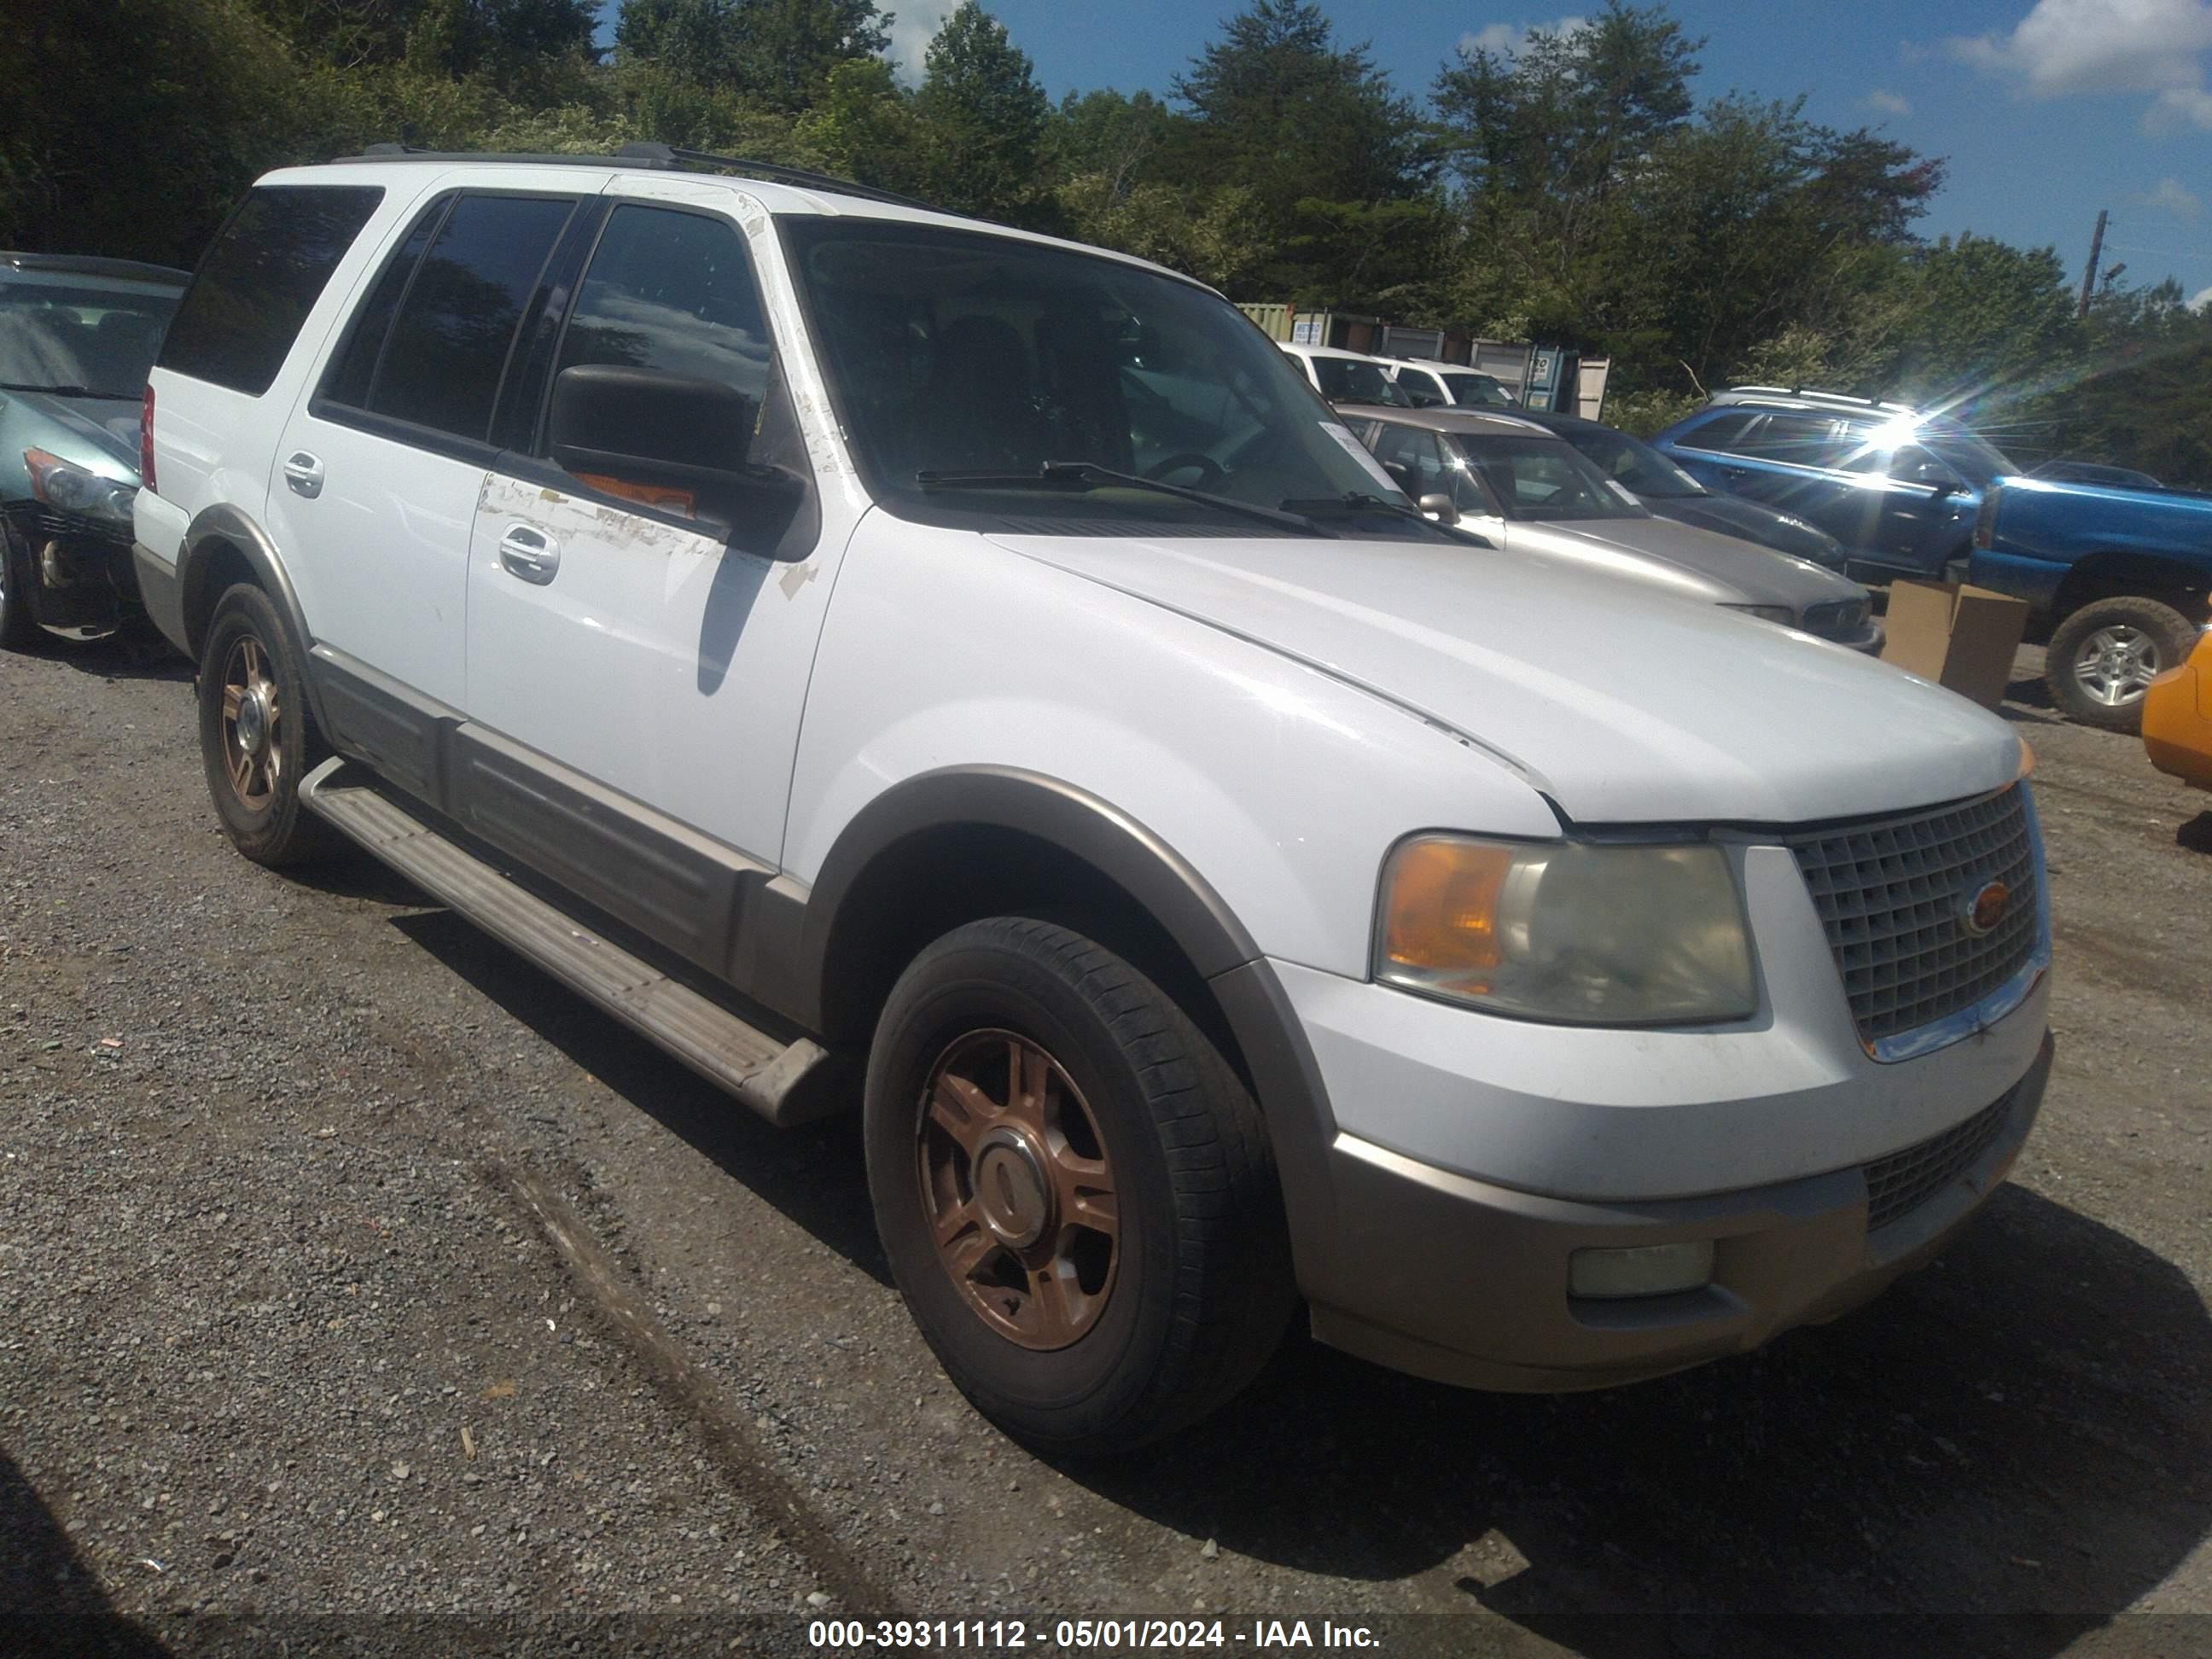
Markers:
point(1957, 635)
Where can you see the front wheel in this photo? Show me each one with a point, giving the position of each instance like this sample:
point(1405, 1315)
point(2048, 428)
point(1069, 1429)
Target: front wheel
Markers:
point(1075, 1190)
point(256, 741)
point(2103, 658)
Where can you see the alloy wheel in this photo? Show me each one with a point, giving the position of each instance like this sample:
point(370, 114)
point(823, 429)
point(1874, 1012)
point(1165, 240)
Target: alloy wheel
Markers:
point(252, 736)
point(1016, 1189)
point(2117, 663)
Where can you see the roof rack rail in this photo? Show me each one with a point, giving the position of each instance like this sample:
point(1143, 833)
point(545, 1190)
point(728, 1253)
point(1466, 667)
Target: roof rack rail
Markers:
point(655, 153)
point(647, 153)
point(1814, 394)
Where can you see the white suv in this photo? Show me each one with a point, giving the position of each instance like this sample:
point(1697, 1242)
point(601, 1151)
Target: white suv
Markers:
point(840, 638)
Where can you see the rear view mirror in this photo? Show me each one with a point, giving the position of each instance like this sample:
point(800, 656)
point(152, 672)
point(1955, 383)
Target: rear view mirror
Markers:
point(1442, 509)
point(642, 425)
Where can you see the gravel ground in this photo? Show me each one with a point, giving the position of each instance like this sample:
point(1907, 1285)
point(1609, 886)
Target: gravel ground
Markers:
point(348, 1265)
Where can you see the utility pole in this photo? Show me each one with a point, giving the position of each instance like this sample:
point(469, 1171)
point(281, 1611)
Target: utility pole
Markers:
point(2089, 277)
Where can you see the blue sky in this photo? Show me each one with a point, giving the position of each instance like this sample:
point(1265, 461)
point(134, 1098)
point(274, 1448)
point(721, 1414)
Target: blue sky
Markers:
point(2047, 110)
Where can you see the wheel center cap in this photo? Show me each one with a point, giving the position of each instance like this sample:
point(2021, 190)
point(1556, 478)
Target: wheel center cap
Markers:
point(253, 720)
point(1010, 1189)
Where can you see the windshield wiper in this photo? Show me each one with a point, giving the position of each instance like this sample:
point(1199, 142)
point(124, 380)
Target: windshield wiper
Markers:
point(1089, 475)
point(1361, 501)
point(67, 390)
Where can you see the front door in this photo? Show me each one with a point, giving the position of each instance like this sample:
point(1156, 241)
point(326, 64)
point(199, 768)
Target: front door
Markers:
point(609, 634)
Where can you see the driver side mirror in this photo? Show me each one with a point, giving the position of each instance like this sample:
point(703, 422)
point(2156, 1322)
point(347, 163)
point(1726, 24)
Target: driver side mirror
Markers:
point(1442, 509)
point(672, 441)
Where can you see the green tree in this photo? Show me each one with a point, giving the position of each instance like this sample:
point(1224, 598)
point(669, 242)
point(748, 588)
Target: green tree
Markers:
point(1285, 112)
point(982, 118)
point(779, 53)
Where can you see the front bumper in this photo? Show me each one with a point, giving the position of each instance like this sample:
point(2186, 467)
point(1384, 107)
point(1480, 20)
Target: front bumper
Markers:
point(1457, 1279)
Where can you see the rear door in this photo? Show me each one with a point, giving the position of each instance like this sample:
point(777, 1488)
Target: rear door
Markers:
point(616, 642)
point(379, 471)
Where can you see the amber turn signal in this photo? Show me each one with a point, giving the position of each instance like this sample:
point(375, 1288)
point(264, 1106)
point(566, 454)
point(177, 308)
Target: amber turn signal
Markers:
point(1442, 917)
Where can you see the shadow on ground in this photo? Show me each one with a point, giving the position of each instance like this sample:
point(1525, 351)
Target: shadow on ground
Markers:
point(129, 655)
point(49, 1601)
point(2019, 1433)
point(812, 1174)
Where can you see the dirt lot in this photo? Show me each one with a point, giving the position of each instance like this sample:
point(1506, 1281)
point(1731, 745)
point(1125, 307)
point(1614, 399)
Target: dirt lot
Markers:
point(288, 1323)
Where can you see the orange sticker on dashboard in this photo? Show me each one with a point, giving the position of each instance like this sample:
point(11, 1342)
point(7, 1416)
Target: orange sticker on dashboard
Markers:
point(646, 495)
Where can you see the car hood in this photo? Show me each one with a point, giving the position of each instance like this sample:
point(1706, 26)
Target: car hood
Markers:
point(101, 433)
point(1727, 515)
point(1622, 705)
point(1741, 572)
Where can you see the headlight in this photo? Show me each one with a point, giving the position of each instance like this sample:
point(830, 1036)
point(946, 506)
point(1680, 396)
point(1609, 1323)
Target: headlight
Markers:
point(1595, 935)
point(1773, 613)
point(68, 488)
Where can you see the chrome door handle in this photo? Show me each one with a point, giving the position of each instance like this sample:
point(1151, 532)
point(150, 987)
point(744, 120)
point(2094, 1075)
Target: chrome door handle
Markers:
point(530, 554)
point(304, 472)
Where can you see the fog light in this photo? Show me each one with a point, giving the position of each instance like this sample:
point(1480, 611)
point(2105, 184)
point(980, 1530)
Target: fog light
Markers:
point(1642, 1270)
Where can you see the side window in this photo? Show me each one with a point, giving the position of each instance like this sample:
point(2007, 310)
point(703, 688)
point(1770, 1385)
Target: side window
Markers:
point(256, 285)
point(671, 292)
point(1718, 433)
point(1795, 439)
point(348, 379)
point(1421, 388)
point(664, 389)
point(1409, 456)
point(448, 348)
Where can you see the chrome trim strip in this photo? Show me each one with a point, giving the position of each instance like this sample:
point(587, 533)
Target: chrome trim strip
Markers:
point(1968, 1022)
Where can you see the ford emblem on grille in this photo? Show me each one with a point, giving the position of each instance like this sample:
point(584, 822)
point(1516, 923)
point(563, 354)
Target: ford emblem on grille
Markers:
point(1985, 909)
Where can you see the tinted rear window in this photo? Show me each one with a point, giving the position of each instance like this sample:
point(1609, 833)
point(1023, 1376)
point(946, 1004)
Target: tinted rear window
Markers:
point(260, 279)
point(349, 376)
point(449, 343)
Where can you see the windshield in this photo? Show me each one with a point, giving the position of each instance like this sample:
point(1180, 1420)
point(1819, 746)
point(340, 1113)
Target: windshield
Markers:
point(66, 332)
point(1479, 390)
point(954, 352)
point(1633, 462)
point(1350, 381)
point(1543, 478)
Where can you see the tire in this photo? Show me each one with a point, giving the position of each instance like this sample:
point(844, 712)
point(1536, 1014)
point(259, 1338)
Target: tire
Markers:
point(255, 762)
point(2103, 657)
point(18, 627)
point(1086, 1342)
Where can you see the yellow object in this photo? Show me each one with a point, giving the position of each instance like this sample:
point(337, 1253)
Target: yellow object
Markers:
point(2176, 718)
point(1442, 917)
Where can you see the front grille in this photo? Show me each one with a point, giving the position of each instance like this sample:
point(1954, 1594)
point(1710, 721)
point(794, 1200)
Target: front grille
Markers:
point(1836, 618)
point(1903, 1181)
point(1895, 893)
point(40, 524)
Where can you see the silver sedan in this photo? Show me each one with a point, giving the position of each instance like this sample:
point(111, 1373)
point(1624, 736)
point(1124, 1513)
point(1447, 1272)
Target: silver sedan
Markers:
point(1528, 491)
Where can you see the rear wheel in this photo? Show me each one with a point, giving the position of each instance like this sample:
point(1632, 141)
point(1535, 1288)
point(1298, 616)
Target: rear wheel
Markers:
point(1074, 1189)
point(255, 738)
point(2103, 658)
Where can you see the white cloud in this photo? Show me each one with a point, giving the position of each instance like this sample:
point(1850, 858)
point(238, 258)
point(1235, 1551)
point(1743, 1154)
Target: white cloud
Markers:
point(2064, 47)
point(914, 24)
point(1889, 103)
point(2175, 197)
point(1506, 39)
point(2203, 298)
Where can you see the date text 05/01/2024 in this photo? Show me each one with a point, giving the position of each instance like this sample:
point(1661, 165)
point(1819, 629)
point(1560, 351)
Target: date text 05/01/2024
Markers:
point(1003, 1635)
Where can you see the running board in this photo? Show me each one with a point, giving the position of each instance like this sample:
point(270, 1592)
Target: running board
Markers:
point(764, 1073)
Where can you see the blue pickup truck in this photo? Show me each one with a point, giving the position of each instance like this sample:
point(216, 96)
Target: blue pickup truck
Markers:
point(2122, 578)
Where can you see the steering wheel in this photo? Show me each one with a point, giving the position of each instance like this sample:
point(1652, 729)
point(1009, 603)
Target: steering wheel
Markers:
point(1210, 472)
